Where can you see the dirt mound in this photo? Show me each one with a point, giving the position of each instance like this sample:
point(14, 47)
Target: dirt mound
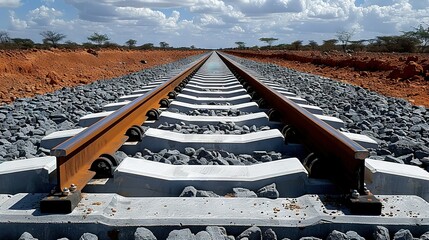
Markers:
point(397, 75)
point(30, 72)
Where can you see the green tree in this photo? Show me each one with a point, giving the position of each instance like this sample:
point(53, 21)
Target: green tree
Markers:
point(329, 45)
point(193, 47)
point(4, 37)
point(131, 43)
point(313, 44)
point(164, 45)
point(51, 37)
point(357, 45)
point(296, 45)
point(241, 45)
point(269, 40)
point(147, 46)
point(99, 39)
point(70, 45)
point(344, 38)
point(422, 35)
point(23, 42)
point(397, 43)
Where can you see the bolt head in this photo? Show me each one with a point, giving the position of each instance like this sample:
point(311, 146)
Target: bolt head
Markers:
point(355, 194)
point(73, 187)
point(66, 191)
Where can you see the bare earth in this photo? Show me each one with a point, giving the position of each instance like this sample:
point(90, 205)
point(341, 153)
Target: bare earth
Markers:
point(27, 73)
point(31, 72)
point(391, 74)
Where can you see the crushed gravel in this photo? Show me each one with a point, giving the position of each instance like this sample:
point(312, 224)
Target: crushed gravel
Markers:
point(400, 129)
point(253, 232)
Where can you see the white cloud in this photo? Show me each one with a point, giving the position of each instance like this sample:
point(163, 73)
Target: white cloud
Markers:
point(237, 29)
point(258, 7)
point(207, 20)
point(16, 23)
point(217, 23)
point(10, 3)
point(44, 16)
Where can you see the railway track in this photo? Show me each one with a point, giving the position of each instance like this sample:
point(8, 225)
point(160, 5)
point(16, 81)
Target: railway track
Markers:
point(251, 152)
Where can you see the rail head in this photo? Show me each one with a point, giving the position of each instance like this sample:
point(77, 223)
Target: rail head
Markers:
point(347, 156)
point(75, 156)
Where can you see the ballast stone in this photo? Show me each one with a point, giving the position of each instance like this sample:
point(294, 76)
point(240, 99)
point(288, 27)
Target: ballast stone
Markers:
point(183, 234)
point(27, 236)
point(143, 234)
point(381, 233)
point(337, 235)
point(88, 236)
point(403, 234)
point(252, 233)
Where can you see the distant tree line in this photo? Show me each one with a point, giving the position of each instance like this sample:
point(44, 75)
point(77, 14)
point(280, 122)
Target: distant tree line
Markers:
point(52, 39)
point(416, 40)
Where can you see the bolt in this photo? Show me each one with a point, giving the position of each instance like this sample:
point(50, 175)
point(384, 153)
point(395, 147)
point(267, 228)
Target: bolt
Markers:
point(366, 191)
point(355, 194)
point(66, 191)
point(73, 187)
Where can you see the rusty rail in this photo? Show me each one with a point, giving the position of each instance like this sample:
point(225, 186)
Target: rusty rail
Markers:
point(346, 156)
point(75, 156)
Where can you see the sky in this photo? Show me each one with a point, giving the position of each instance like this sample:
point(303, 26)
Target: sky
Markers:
point(211, 23)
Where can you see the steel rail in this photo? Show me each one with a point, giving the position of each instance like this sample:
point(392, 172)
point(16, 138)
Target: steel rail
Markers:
point(347, 157)
point(75, 156)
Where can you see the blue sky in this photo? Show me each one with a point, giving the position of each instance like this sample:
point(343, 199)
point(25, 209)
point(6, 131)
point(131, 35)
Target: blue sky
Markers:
point(211, 23)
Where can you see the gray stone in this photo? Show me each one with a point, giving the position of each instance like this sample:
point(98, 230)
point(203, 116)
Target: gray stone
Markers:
point(203, 235)
point(26, 236)
point(202, 193)
point(266, 158)
point(393, 159)
point(183, 234)
point(217, 232)
point(269, 234)
point(189, 151)
point(88, 236)
point(352, 235)
point(243, 193)
point(424, 236)
point(421, 154)
point(310, 238)
point(425, 161)
point(381, 233)
point(58, 117)
point(142, 233)
point(189, 191)
point(4, 142)
point(403, 234)
point(252, 233)
point(406, 158)
point(269, 191)
point(337, 235)
point(401, 147)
